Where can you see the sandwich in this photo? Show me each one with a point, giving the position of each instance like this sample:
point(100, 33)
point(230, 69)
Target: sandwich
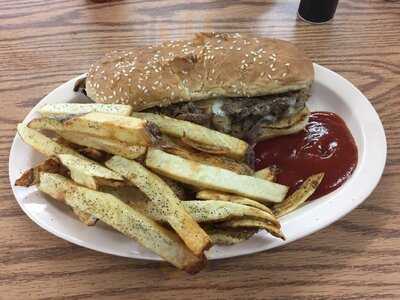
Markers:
point(253, 88)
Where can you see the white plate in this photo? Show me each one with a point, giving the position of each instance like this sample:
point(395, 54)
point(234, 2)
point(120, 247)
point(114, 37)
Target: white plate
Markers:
point(331, 92)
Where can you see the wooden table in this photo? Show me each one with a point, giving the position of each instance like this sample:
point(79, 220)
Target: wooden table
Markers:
point(45, 43)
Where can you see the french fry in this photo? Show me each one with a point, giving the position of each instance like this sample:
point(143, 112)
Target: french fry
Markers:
point(268, 173)
point(232, 147)
point(213, 195)
point(212, 149)
point(209, 177)
point(254, 223)
point(32, 176)
point(177, 187)
point(229, 236)
point(67, 110)
point(299, 196)
point(110, 146)
point(88, 173)
point(208, 211)
point(47, 124)
point(123, 218)
point(48, 147)
point(166, 203)
point(208, 159)
point(42, 143)
point(125, 129)
point(84, 217)
point(94, 154)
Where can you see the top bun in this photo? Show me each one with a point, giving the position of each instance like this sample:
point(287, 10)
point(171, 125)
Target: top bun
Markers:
point(209, 66)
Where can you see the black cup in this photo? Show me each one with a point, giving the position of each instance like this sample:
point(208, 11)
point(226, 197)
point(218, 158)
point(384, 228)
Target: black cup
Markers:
point(317, 11)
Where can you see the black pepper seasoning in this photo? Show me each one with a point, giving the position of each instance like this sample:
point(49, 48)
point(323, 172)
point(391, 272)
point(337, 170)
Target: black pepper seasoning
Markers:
point(317, 11)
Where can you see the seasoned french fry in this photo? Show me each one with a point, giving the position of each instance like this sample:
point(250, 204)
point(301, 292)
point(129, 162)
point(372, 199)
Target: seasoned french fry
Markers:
point(213, 195)
point(67, 110)
point(229, 236)
point(200, 135)
point(42, 143)
point(48, 147)
point(176, 187)
point(125, 129)
point(212, 149)
point(48, 124)
point(165, 202)
point(209, 177)
point(110, 146)
point(299, 196)
point(88, 173)
point(208, 159)
point(32, 176)
point(254, 223)
point(84, 217)
point(206, 211)
point(123, 218)
point(268, 173)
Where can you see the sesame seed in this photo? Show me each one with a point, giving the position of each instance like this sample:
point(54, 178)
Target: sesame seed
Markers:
point(284, 74)
point(269, 76)
point(287, 64)
point(273, 69)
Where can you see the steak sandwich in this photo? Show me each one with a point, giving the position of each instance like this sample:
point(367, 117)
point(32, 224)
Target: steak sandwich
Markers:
point(252, 88)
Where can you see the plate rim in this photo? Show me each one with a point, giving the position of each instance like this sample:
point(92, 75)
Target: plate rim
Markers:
point(312, 227)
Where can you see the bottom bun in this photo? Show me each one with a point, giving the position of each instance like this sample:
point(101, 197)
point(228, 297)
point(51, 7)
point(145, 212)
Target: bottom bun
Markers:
point(285, 126)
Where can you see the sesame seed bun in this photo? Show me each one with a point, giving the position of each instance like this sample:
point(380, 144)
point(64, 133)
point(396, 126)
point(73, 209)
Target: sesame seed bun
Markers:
point(209, 66)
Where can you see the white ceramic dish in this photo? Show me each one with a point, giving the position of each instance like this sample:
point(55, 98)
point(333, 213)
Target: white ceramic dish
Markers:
point(331, 92)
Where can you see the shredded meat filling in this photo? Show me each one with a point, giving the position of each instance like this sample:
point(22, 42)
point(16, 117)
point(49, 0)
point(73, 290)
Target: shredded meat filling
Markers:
point(239, 117)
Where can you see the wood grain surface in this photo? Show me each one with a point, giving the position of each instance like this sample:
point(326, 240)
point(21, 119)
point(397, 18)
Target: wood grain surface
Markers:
point(45, 43)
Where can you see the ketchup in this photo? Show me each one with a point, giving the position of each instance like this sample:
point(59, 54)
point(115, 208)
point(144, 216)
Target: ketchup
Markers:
point(325, 145)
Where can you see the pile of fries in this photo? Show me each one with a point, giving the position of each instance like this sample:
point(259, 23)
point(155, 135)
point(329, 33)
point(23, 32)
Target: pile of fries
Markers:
point(175, 187)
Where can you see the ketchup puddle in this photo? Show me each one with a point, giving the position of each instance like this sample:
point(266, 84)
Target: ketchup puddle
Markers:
point(325, 145)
